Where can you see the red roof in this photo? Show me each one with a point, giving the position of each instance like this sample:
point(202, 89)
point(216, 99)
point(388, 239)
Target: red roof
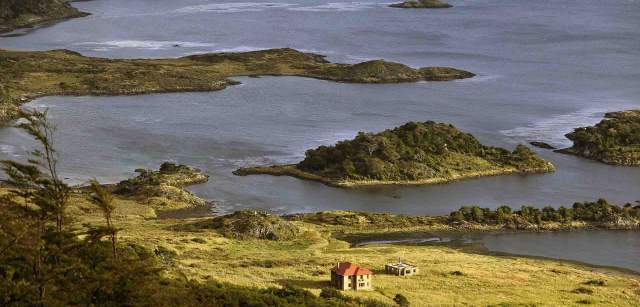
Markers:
point(350, 269)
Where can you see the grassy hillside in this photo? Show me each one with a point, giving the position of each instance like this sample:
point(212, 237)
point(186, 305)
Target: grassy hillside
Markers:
point(27, 75)
point(24, 13)
point(615, 140)
point(415, 153)
point(447, 276)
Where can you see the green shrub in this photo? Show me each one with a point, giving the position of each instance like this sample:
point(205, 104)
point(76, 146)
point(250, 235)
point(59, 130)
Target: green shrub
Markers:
point(585, 302)
point(401, 300)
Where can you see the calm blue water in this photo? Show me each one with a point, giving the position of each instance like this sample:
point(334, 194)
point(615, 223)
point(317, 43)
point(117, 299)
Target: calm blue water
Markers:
point(544, 68)
point(601, 247)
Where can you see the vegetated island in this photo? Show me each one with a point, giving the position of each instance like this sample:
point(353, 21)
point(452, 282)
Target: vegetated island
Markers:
point(599, 214)
point(422, 4)
point(16, 14)
point(414, 153)
point(615, 140)
point(27, 75)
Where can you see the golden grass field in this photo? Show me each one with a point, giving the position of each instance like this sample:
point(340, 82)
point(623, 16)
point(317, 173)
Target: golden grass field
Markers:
point(203, 254)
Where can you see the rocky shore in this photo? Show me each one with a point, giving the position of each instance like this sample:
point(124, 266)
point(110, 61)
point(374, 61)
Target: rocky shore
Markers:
point(26, 75)
point(163, 189)
point(422, 4)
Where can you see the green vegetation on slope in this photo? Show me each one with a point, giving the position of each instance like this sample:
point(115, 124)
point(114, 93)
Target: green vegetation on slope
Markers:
point(422, 4)
point(28, 75)
point(615, 140)
point(25, 13)
point(418, 153)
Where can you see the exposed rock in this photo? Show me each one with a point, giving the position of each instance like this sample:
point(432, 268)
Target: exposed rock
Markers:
point(541, 145)
point(422, 4)
point(444, 73)
point(163, 189)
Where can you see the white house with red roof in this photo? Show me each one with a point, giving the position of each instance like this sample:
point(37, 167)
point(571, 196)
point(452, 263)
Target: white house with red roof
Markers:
point(346, 275)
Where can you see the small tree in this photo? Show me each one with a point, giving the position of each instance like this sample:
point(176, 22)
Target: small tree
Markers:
point(41, 196)
point(38, 178)
point(104, 200)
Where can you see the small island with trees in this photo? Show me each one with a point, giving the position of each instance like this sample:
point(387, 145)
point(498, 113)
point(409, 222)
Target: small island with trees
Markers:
point(615, 140)
point(422, 4)
point(414, 153)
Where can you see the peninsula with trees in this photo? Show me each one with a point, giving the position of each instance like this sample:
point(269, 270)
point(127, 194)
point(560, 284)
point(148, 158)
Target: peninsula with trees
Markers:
point(615, 140)
point(414, 153)
point(25, 75)
point(16, 14)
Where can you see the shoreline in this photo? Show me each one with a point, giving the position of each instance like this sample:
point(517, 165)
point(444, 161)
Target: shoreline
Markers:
point(67, 73)
point(291, 171)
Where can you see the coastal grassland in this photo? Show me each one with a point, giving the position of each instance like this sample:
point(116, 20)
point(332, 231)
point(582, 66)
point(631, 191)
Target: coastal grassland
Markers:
point(25, 75)
point(614, 140)
point(447, 276)
point(414, 153)
point(27, 13)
